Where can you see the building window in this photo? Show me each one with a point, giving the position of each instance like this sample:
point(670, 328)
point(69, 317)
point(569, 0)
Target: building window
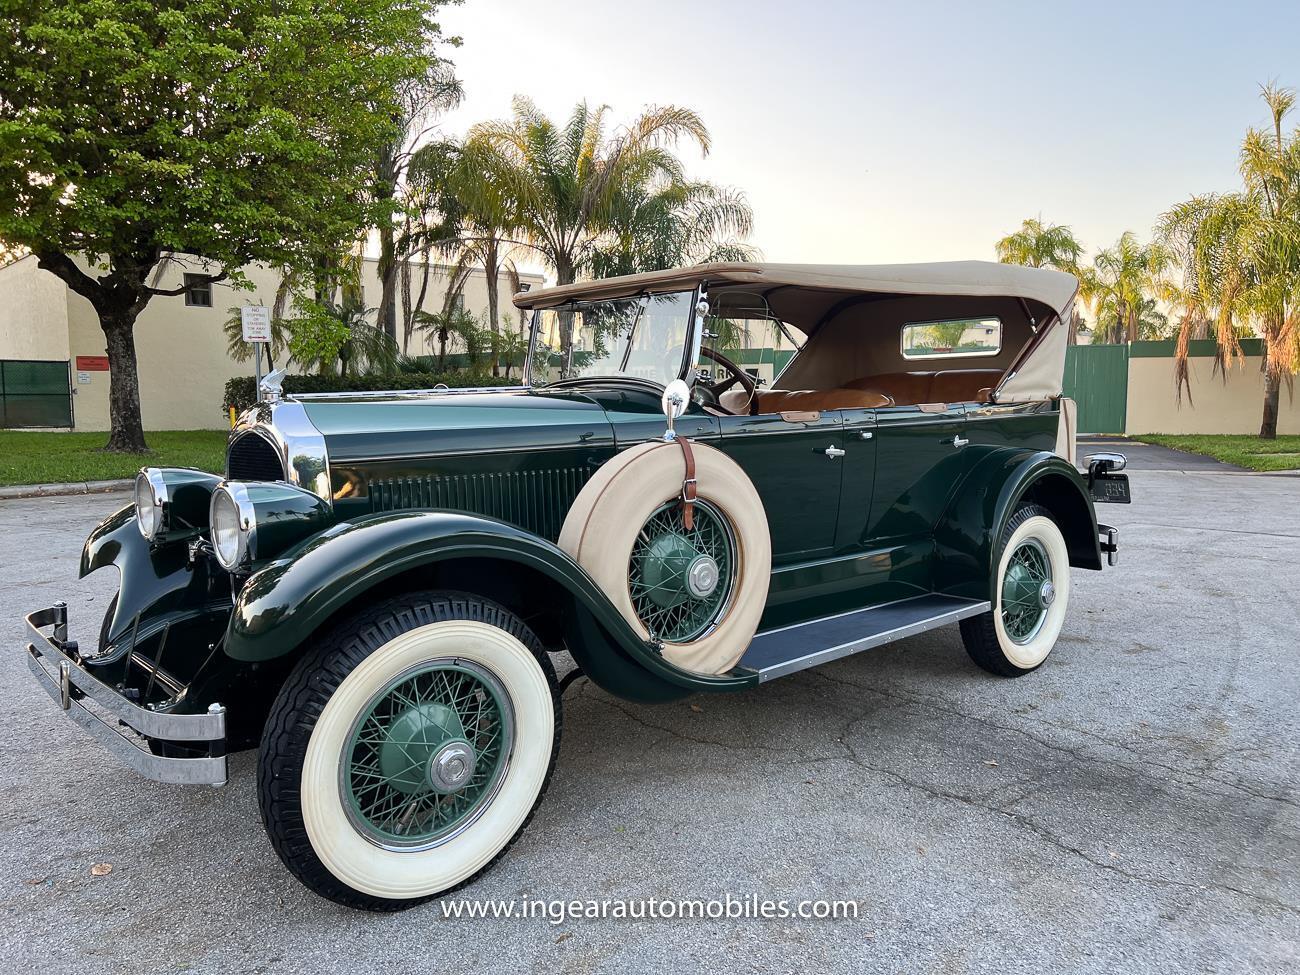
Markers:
point(525, 286)
point(198, 290)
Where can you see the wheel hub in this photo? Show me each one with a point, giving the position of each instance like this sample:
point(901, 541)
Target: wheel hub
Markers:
point(1047, 594)
point(702, 577)
point(451, 767)
point(416, 741)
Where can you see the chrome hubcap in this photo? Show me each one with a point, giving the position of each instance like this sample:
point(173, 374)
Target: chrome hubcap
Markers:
point(451, 767)
point(702, 577)
point(1047, 594)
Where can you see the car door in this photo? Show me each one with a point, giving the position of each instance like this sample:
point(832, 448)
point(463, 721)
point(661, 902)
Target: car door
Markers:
point(794, 462)
point(920, 460)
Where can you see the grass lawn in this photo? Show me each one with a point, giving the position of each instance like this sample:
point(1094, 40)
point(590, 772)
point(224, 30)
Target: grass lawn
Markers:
point(48, 458)
point(1282, 454)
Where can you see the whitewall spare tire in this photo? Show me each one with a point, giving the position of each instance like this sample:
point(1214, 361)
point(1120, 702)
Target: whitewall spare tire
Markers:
point(701, 591)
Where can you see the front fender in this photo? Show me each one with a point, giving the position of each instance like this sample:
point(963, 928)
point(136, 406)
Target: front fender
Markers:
point(282, 604)
point(155, 582)
point(966, 536)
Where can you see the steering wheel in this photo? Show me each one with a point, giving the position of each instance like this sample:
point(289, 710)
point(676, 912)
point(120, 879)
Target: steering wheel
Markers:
point(738, 376)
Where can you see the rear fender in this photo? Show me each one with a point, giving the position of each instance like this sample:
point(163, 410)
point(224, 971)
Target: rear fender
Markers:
point(967, 534)
point(281, 605)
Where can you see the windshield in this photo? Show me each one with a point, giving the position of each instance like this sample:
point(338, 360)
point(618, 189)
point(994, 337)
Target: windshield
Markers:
point(640, 338)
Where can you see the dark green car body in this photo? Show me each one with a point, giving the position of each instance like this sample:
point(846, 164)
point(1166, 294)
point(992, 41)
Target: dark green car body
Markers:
point(467, 490)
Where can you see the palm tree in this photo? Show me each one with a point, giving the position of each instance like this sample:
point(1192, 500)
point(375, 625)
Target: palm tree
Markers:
point(1038, 244)
point(1239, 256)
point(453, 322)
point(1118, 286)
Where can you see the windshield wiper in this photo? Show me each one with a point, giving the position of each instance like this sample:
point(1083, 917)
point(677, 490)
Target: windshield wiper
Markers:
point(631, 335)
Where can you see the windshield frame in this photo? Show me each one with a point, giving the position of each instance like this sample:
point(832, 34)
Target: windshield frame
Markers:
point(690, 351)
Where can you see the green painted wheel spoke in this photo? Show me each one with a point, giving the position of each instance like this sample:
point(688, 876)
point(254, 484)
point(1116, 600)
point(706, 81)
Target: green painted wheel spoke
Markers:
point(389, 774)
point(1023, 604)
point(658, 567)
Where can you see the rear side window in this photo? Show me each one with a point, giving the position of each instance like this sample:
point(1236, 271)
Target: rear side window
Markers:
point(952, 339)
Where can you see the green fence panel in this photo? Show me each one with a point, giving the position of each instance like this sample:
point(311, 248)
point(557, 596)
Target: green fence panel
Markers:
point(35, 393)
point(1096, 378)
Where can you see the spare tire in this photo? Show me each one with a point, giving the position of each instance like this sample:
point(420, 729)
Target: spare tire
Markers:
point(699, 592)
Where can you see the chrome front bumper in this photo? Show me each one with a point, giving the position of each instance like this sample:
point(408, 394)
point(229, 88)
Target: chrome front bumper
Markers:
point(71, 683)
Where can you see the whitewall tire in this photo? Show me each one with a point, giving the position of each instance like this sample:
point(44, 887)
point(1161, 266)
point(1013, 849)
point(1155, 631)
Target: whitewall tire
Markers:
point(699, 591)
point(409, 750)
point(1031, 597)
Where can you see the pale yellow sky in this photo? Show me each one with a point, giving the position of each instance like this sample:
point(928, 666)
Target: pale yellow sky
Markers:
point(868, 132)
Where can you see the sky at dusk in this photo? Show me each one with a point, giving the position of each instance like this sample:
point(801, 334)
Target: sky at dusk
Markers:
point(868, 132)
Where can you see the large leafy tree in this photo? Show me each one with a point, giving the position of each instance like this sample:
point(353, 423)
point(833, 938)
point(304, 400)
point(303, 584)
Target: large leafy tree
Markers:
point(1238, 256)
point(218, 135)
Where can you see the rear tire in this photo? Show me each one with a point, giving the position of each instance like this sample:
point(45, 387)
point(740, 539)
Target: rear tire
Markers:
point(1032, 596)
point(408, 750)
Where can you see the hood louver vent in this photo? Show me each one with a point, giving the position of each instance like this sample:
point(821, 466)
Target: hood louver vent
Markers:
point(536, 501)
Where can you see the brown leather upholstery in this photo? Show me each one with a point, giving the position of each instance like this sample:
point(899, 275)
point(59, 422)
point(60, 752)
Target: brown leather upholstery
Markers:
point(906, 388)
point(945, 386)
point(804, 400)
point(961, 385)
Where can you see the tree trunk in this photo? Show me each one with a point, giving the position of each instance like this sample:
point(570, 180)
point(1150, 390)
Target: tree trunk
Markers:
point(565, 274)
point(126, 431)
point(1272, 399)
point(387, 279)
point(490, 267)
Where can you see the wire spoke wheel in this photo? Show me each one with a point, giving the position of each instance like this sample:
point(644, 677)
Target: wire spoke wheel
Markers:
point(681, 581)
point(1027, 591)
point(427, 754)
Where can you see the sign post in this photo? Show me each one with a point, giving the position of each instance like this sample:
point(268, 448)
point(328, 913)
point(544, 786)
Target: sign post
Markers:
point(256, 323)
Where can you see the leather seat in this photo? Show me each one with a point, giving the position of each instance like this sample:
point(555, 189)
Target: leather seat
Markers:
point(946, 386)
point(804, 400)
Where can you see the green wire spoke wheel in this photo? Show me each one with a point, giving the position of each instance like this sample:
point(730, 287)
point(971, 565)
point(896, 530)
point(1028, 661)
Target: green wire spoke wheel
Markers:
point(1027, 591)
point(681, 581)
point(427, 754)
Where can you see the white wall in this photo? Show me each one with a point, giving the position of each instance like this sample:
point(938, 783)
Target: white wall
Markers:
point(180, 349)
point(33, 312)
point(1218, 404)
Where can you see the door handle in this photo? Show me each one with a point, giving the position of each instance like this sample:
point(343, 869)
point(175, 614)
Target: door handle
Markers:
point(833, 452)
point(959, 441)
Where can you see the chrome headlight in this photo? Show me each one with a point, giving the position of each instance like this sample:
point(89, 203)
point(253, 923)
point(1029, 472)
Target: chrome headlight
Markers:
point(255, 520)
point(233, 522)
point(150, 502)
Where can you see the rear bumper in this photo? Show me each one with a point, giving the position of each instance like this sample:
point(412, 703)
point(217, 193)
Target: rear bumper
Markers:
point(69, 684)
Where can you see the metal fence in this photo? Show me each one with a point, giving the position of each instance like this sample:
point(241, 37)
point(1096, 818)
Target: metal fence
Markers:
point(35, 393)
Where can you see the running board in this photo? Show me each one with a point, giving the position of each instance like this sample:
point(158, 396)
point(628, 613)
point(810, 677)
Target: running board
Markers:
point(794, 648)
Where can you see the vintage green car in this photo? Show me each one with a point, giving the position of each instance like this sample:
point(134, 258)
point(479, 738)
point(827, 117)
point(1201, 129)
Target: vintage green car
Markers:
point(373, 593)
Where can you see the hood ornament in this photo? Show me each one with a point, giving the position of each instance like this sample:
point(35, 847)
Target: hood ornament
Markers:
point(271, 387)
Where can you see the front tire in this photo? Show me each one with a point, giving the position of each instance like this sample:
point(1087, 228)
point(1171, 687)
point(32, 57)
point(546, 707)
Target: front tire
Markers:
point(1032, 596)
point(408, 750)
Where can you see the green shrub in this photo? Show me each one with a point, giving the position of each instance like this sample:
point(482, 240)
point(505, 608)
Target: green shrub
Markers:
point(241, 392)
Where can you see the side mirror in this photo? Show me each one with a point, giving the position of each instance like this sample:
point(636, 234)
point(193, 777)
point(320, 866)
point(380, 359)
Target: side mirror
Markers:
point(677, 396)
point(1106, 463)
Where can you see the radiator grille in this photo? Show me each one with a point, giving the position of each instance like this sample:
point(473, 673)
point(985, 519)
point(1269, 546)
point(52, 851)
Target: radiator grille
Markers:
point(536, 501)
point(251, 458)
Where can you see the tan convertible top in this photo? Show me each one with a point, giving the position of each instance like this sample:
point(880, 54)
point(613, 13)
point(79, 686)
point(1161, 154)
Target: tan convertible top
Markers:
point(1052, 288)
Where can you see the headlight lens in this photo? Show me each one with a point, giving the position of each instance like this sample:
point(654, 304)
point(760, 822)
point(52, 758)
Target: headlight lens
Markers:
point(150, 501)
point(232, 522)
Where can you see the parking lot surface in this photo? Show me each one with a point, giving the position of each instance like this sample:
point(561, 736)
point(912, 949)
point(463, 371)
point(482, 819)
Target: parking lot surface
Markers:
point(1131, 806)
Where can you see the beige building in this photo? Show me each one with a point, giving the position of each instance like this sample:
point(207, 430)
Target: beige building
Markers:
point(180, 342)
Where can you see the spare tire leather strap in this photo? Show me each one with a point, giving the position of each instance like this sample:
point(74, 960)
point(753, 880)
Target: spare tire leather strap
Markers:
point(688, 485)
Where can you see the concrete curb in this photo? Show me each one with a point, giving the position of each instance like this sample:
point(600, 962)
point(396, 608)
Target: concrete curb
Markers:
point(70, 487)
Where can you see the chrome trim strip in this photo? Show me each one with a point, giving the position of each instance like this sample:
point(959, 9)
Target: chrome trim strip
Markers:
point(401, 393)
point(974, 608)
point(209, 728)
point(544, 448)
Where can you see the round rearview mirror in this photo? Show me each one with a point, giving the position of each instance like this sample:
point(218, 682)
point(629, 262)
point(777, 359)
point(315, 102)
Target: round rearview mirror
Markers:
point(675, 399)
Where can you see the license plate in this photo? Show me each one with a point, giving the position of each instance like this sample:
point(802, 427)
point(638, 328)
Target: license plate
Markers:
point(1110, 488)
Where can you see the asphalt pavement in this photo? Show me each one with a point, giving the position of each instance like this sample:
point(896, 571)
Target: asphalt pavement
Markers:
point(1132, 806)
